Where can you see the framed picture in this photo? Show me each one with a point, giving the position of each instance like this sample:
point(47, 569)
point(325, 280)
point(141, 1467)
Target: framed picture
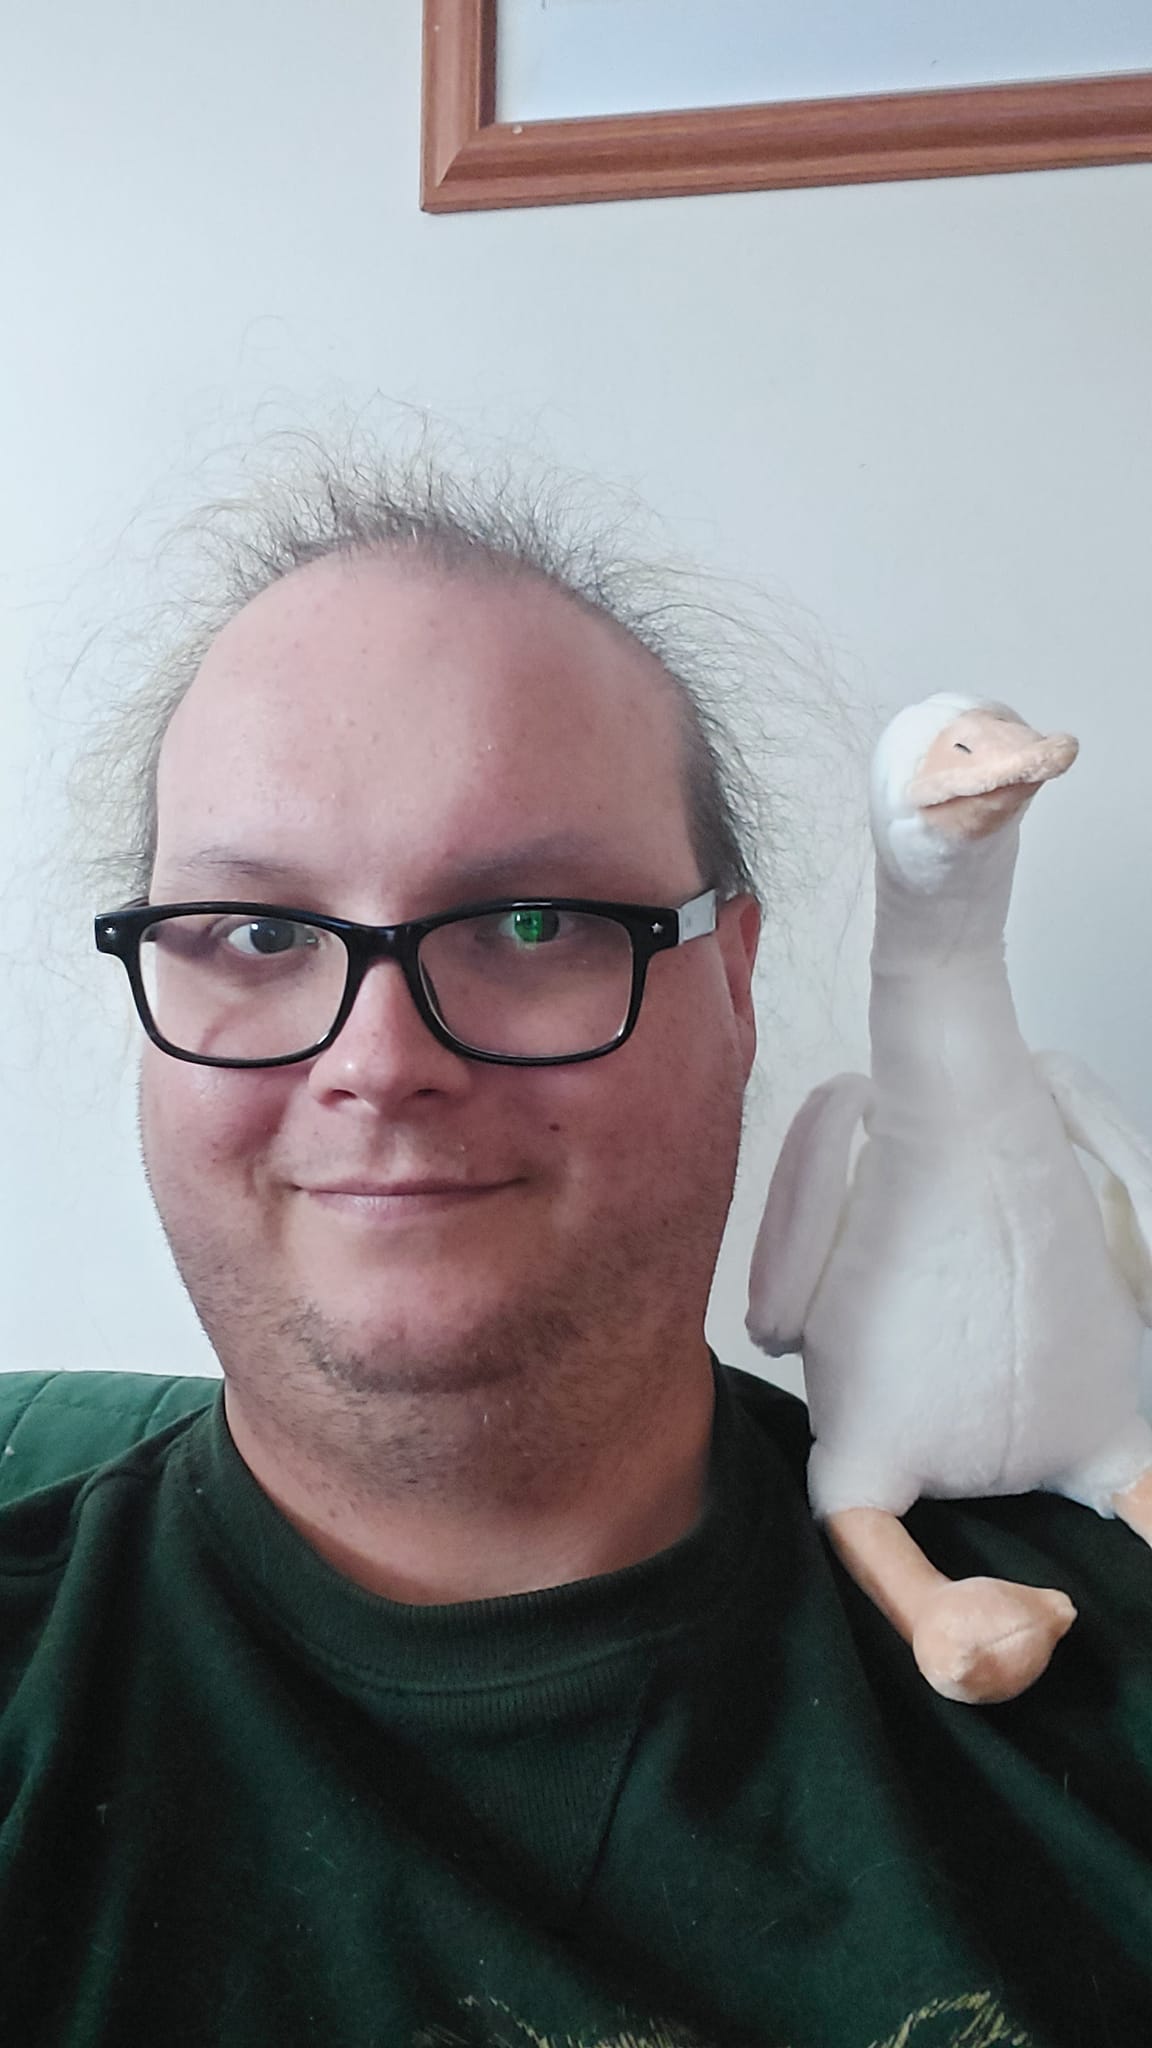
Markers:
point(551, 102)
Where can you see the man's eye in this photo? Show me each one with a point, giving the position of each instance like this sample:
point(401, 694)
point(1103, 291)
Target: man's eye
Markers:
point(261, 937)
point(529, 928)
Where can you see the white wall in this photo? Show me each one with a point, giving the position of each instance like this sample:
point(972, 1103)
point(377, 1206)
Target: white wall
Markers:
point(920, 411)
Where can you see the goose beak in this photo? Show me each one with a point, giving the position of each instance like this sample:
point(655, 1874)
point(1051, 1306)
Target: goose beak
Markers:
point(981, 771)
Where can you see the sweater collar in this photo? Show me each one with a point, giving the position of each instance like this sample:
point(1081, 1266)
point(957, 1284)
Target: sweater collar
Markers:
point(525, 1637)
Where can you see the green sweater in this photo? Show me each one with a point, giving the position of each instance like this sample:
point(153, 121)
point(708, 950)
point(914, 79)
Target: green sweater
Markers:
point(706, 1800)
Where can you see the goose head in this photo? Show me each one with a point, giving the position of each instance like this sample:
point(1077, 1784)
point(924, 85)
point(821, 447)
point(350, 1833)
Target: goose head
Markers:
point(950, 776)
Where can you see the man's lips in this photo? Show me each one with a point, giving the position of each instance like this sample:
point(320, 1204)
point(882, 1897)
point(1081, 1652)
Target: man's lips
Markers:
point(398, 1197)
point(399, 1187)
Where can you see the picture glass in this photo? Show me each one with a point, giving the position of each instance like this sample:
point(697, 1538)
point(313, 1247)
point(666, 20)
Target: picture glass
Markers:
point(559, 59)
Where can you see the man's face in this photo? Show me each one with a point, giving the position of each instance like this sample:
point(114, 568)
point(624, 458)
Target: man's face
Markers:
point(379, 742)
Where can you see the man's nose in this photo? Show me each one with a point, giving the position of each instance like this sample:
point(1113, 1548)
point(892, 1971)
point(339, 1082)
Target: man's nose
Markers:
point(385, 1052)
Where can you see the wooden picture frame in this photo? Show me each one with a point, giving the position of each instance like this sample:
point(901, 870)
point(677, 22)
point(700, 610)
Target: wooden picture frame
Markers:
point(473, 162)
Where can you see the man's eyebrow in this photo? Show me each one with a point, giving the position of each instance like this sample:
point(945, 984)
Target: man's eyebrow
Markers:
point(512, 866)
point(215, 860)
point(520, 866)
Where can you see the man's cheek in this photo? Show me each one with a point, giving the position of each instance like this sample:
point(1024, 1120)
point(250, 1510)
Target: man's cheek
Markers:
point(197, 1118)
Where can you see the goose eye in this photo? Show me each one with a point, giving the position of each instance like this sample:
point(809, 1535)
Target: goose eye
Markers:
point(960, 748)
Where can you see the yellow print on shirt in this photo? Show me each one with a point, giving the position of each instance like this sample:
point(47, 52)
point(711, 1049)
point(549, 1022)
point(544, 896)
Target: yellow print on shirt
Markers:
point(514, 2033)
point(982, 2024)
point(974, 2020)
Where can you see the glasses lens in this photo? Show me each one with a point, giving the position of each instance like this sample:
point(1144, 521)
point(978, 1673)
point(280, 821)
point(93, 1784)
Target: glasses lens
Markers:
point(536, 983)
point(235, 987)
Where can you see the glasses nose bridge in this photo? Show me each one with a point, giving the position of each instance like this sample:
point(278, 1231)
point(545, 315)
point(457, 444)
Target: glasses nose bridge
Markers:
point(368, 945)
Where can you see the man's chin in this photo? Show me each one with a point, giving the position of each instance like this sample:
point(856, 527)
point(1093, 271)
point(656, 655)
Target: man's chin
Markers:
point(441, 1347)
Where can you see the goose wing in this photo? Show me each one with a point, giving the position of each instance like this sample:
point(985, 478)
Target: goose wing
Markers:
point(1095, 1122)
point(802, 1213)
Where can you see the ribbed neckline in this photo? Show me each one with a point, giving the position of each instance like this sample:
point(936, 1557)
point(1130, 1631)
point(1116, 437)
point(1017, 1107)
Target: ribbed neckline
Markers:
point(518, 1639)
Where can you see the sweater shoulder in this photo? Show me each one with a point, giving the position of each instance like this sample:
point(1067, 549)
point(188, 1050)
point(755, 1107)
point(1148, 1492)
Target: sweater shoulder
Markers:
point(64, 1435)
point(778, 1418)
point(59, 1425)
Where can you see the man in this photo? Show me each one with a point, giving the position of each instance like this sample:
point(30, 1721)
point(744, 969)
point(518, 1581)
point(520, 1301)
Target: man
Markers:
point(470, 1671)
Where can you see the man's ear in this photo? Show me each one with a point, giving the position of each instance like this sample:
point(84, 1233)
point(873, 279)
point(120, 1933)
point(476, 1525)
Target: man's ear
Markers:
point(738, 930)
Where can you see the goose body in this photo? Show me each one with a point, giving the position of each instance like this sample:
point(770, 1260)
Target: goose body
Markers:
point(969, 1317)
point(970, 1333)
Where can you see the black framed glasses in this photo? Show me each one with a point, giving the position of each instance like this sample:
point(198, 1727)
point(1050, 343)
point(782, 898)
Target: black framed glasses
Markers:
point(524, 982)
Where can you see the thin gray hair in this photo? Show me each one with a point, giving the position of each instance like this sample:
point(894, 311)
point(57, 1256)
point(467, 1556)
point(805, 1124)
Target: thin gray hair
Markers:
point(471, 524)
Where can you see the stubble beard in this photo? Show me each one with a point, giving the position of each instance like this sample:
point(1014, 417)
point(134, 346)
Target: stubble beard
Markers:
point(523, 1390)
point(530, 1387)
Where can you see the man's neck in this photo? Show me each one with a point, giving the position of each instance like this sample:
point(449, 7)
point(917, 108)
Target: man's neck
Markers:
point(517, 1521)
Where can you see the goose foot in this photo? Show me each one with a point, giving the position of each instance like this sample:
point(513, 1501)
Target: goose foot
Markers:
point(982, 1641)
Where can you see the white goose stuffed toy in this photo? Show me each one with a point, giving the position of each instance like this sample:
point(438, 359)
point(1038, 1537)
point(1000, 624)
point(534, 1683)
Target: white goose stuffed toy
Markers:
point(969, 1313)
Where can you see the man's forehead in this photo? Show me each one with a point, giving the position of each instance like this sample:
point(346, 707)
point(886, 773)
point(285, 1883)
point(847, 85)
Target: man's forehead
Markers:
point(360, 685)
point(344, 643)
point(357, 614)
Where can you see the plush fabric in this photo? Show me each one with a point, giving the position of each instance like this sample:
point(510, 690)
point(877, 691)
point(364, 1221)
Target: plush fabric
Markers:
point(967, 1323)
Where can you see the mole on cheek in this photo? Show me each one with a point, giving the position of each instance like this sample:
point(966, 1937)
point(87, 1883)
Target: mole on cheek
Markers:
point(553, 1127)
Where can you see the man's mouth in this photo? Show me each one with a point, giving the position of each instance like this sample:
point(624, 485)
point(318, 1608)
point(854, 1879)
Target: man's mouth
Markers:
point(399, 1187)
point(395, 1198)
